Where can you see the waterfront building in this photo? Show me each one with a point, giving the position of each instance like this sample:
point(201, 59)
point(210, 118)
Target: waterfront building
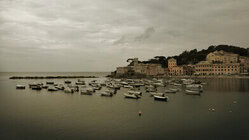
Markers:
point(207, 68)
point(222, 57)
point(245, 62)
point(172, 63)
point(149, 69)
point(175, 70)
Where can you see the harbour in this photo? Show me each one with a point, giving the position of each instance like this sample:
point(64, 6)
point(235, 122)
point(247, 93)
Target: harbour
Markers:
point(40, 114)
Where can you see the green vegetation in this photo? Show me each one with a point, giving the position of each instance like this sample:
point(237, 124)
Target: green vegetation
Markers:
point(194, 56)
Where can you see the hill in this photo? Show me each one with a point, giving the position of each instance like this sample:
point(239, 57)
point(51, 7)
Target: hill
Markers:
point(194, 56)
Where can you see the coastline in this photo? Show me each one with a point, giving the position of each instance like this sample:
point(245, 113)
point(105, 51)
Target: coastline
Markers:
point(213, 77)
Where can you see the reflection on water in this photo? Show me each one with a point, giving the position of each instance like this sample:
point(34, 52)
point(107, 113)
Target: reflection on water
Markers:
point(228, 85)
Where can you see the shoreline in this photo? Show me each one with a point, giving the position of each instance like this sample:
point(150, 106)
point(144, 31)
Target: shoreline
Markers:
point(212, 77)
point(49, 77)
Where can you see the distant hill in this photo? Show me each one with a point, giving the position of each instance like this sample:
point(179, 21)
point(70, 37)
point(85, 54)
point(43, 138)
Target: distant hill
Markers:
point(194, 56)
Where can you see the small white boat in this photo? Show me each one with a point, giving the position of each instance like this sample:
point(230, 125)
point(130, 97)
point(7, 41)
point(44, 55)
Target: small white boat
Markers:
point(20, 87)
point(60, 87)
point(50, 82)
point(128, 86)
point(175, 84)
point(80, 83)
point(68, 90)
point(67, 82)
point(195, 87)
point(135, 92)
point(52, 89)
point(127, 95)
point(106, 93)
point(151, 90)
point(192, 92)
point(86, 92)
point(161, 97)
point(170, 91)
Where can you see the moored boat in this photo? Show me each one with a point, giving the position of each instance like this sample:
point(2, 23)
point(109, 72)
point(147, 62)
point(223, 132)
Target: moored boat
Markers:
point(20, 87)
point(52, 88)
point(161, 97)
point(127, 95)
point(170, 91)
point(192, 92)
point(106, 93)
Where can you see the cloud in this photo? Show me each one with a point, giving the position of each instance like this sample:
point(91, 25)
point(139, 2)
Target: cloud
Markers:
point(147, 33)
point(89, 34)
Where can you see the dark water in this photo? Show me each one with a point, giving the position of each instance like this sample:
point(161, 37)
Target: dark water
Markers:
point(27, 114)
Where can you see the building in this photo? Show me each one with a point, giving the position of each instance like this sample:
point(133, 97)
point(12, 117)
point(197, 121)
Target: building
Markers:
point(175, 70)
point(245, 62)
point(172, 63)
point(142, 68)
point(222, 57)
point(207, 68)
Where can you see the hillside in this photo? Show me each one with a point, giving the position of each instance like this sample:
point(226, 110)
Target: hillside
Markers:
point(194, 56)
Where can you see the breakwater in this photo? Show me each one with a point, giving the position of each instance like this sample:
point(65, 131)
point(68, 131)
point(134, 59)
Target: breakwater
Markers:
point(49, 77)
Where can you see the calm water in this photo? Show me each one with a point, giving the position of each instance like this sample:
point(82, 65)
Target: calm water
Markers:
point(28, 114)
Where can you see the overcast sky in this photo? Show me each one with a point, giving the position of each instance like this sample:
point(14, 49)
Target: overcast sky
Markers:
point(98, 35)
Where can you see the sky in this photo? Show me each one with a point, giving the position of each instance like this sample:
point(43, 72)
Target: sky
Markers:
point(99, 35)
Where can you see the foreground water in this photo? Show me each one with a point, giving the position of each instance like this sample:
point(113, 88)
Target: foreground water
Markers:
point(28, 114)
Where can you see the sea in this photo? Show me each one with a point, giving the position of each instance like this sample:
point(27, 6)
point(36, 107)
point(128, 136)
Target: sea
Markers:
point(42, 115)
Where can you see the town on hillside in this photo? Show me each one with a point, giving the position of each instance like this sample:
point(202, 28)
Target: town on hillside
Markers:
point(216, 63)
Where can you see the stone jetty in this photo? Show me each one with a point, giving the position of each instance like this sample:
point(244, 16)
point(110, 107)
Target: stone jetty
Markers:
point(49, 77)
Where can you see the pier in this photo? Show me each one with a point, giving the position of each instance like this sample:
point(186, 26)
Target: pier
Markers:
point(50, 77)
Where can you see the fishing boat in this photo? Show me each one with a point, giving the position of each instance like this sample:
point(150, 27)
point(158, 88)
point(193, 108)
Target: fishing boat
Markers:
point(68, 90)
point(192, 92)
point(86, 92)
point(151, 90)
point(20, 87)
point(127, 95)
point(106, 93)
point(80, 83)
point(37, 87)
point(135, 92)
point(50, 82)
point(60, 87)
point(195, 87)
point(128, 86)
point(161, 97)
point(170, 91)
point(45, 86)
point(67, 82)
point(52, 88)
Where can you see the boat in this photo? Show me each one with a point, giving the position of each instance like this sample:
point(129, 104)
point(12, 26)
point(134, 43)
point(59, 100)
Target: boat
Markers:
point(192, 92)
point(138, 93)
point(67, 82)
point(161, 97)
point(45, 86)
point(37, 87)
point(80, 83)
point(176, 84)
point(52, 88)
point(106, 93)
point(151, 90)
point(127, 95)
point(60, 87)
point(20, 87)
point(86, 92)
point(68, 90)
point(170, 91)
point(195, 87)
point(128, 86)
point(50, 82)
